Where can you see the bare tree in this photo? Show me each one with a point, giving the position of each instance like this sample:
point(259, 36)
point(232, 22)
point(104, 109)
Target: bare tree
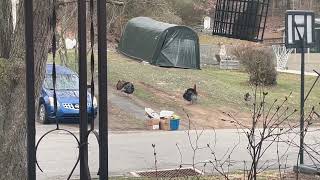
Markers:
point(116, 20)
point(12, 98)
point(268, 124)
point(219, 164)
point(271, 126)
point(67, 23)
point(6, 28)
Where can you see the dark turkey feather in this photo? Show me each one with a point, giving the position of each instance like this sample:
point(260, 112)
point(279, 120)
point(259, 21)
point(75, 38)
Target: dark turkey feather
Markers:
point(128, 88)
point(124, 86)
point(120, 84)
point(191, 94)
point(247, 97)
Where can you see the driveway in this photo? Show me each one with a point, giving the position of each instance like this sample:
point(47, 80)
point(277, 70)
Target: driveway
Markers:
point(311, 62)
point(132, 151)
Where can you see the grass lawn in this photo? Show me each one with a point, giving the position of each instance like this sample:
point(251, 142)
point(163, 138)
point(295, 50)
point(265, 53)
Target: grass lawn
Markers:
point(216, 87)
point(215, 40)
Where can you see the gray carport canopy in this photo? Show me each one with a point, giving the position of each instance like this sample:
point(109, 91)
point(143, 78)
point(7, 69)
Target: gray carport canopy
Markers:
point(160, 44)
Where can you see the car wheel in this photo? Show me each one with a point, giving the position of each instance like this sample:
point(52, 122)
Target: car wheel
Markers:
point(43, 117)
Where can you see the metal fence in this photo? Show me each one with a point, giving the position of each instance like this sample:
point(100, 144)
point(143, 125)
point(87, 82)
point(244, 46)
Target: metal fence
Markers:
point(241, 19)
point(102, 135)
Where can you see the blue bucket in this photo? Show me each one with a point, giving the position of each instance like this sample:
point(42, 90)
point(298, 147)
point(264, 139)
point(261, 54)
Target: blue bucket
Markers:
point(174, 124)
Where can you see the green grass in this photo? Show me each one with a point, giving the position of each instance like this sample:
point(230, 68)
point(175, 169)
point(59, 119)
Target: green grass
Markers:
point(217, 88)
point(72, 60)
point(215, 40)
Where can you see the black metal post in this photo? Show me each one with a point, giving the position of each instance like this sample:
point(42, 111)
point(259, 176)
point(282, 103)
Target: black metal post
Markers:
point(83, 149)
point(103, 95)
point(31, 126)
point(302, 102)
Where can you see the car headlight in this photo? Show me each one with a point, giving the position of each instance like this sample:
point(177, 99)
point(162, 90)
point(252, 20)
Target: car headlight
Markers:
point(95, 103)
point(51, 102)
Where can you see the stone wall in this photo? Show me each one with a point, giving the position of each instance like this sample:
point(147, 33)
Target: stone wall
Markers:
point(208, 53)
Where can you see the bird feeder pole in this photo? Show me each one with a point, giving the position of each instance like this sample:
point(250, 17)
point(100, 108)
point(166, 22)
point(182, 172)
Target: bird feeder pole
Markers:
point(300, 34)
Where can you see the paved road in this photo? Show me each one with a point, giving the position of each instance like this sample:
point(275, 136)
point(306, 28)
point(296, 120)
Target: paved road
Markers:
point(132, 151)
point(298, 72)
point(127, 105)
point(311, 62)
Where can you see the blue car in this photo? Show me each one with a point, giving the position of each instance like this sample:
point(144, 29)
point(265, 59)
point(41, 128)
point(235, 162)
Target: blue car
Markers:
point(67, 90)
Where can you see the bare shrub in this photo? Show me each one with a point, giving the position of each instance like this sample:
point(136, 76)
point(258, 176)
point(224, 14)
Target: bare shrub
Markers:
point(118, 15)
point(271, 126)
point(269, 123)
point(159, 10)
point(258, 63)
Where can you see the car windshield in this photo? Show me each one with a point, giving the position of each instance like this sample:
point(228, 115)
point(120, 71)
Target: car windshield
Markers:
point(64, 82)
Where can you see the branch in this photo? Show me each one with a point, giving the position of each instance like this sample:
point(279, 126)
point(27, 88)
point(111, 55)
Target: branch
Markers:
point(63, 3)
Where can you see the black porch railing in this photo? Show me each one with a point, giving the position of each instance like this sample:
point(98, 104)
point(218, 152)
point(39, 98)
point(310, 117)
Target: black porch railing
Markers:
point(31, 129)
point(102, 82)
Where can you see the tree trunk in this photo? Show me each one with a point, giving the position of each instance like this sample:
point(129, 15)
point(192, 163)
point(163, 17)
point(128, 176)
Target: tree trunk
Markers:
point(13, 161)
point(6, 28)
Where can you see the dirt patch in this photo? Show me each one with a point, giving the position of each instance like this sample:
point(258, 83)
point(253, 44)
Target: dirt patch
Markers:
point(199, 115)
point(124, 116)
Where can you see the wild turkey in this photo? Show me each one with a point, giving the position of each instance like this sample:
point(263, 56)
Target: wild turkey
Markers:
point(247, 97)
point(126, 87)
point(191, 94)
point(120, 84)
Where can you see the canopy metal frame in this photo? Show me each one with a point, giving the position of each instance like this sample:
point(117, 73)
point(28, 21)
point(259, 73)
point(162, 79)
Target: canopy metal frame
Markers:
point(241, 19)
